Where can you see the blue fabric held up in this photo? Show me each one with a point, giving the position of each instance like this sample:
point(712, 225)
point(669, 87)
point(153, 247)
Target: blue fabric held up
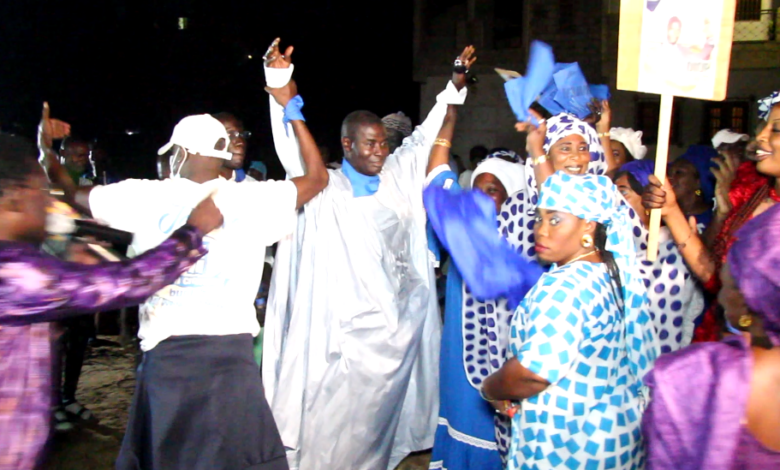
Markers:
point(465, 223)
point(523, 91)
point(568, 92)
point(362, 185)
point(600, 92)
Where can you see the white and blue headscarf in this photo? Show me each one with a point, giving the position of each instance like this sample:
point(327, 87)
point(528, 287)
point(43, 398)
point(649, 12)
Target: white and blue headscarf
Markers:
point(765, 105)
point(596, 199)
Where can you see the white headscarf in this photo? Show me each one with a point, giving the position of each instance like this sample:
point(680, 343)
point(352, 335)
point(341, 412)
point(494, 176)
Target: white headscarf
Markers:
point(631, 139)
point(511, 175)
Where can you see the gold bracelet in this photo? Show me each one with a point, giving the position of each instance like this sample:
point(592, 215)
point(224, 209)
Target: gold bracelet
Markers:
point(603, 134)
point(443, 143)
point(539, 160)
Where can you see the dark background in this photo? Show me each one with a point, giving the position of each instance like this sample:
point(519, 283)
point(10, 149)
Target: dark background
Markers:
point(117, 65)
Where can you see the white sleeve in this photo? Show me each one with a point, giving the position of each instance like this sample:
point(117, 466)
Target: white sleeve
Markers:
point(413, 154)
point(272, 205)
point(285, 142)
point(121, 205)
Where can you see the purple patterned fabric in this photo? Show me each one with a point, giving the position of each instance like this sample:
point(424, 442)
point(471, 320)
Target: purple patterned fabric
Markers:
point(698, 398)
point(37, 288)
point(754, 260)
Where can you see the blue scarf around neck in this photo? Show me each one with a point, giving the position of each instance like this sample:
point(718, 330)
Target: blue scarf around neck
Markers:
point(362, 185)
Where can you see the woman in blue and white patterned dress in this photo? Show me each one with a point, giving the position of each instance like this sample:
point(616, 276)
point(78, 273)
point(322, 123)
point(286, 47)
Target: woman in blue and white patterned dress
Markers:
point(582, 340)
point(675, 296)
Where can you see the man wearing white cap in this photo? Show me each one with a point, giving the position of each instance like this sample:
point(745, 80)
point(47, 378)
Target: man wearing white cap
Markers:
point(730, 144)
point(199, 400)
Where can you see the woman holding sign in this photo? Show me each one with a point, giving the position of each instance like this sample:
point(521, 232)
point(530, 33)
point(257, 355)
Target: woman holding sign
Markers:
point(705, 263)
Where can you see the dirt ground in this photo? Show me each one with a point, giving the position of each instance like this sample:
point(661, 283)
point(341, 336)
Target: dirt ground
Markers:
point(106, 388)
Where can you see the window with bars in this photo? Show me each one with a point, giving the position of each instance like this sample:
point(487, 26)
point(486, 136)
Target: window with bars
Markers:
point(648, 117)
point(726, 115)
point(748, 10)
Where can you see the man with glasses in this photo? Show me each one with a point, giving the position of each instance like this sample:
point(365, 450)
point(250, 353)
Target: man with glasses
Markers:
point(234, 168)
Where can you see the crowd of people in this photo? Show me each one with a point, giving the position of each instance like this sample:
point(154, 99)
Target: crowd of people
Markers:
point(562, 343)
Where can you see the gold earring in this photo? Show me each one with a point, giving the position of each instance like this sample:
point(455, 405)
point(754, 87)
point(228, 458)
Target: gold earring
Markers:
point(745, 321)
point(698, 192)
point(587, 241)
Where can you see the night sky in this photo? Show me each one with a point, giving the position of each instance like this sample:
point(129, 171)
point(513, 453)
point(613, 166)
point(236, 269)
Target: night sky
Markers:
point(116, 65)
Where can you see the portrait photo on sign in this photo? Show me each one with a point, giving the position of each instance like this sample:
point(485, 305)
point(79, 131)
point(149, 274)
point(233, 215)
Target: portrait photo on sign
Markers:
point(679, 42)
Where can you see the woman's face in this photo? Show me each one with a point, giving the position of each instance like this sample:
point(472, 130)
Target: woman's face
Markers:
point(684, 179)
point(619, 153)
point(768, 153)
point(632, 198)
point(571, 155)
point(730, 298)
point(490, 185)
point(559, 235)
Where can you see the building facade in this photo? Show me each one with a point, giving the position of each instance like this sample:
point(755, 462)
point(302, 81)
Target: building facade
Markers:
point(585, 32)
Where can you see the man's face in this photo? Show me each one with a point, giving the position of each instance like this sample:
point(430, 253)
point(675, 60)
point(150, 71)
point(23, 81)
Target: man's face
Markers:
point(237, 147)
point(76, 156)
point(369, 149)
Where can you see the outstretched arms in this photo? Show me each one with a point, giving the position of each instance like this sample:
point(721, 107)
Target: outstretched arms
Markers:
point(286, 108)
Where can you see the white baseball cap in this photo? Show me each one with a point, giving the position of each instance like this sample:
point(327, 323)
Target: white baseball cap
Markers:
point(199, 134)
point(727, 136)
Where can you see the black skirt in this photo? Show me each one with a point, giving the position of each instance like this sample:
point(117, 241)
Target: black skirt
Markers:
point(199, 405)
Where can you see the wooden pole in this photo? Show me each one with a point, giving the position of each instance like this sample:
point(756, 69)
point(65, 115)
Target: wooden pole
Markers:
point(661, 156)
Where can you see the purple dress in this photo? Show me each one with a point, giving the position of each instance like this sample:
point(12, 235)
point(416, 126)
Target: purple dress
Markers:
point(36, 288)
point(753, 455)
point(698, 399)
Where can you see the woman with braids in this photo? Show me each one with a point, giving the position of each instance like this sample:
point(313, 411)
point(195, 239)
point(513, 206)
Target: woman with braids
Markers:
point(716, 405)
point(706, 262)
point(675, 297)
point(581, 340)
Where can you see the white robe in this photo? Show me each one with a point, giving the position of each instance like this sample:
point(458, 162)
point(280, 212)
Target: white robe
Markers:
point(352, 332)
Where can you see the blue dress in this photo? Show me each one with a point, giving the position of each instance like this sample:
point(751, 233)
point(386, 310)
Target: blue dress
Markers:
point(570, 331)
point(465, 437)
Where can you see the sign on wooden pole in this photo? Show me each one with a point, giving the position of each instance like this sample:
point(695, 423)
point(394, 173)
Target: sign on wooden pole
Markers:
point(674, 48)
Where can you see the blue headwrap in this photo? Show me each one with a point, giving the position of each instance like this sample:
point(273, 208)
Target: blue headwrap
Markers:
point(596, 199)
point(640, 169)
point(701, 157)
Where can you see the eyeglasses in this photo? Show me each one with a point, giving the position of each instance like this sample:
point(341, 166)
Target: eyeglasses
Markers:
point(235, 135)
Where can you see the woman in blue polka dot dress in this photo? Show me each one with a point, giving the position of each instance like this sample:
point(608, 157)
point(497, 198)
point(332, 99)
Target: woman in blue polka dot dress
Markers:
point(581, 340)
point(465, 434)
point(675, 297)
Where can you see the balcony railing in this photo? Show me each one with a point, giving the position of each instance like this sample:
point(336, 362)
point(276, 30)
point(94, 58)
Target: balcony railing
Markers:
point(753, 24)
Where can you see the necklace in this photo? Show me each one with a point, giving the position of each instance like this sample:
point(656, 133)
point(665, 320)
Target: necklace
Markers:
point(580, 257)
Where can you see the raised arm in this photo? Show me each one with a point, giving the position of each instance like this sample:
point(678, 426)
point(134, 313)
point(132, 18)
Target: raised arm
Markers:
point(534, 145)
point(48, 130)
point(454, 94)
point(37, 287)
point(603, 125)
point(311, 178)
point(440, 153)
point(697, 256)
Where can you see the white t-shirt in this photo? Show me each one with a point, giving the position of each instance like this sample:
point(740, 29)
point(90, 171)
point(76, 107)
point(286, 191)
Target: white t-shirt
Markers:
point(216, 295)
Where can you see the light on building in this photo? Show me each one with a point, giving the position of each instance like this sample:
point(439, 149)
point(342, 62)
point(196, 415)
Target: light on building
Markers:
point(182, 23)
point(249, 57)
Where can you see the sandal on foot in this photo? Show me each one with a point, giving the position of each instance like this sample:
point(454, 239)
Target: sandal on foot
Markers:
point(62, 422)
point(79, 412)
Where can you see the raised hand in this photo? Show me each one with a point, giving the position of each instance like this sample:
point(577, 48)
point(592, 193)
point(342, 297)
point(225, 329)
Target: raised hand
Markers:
point(466, 59)
point(50, 129)
point(534, 143)
point(658, 196)
point(724, 176)
point(274, 59)
point(603, 125)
